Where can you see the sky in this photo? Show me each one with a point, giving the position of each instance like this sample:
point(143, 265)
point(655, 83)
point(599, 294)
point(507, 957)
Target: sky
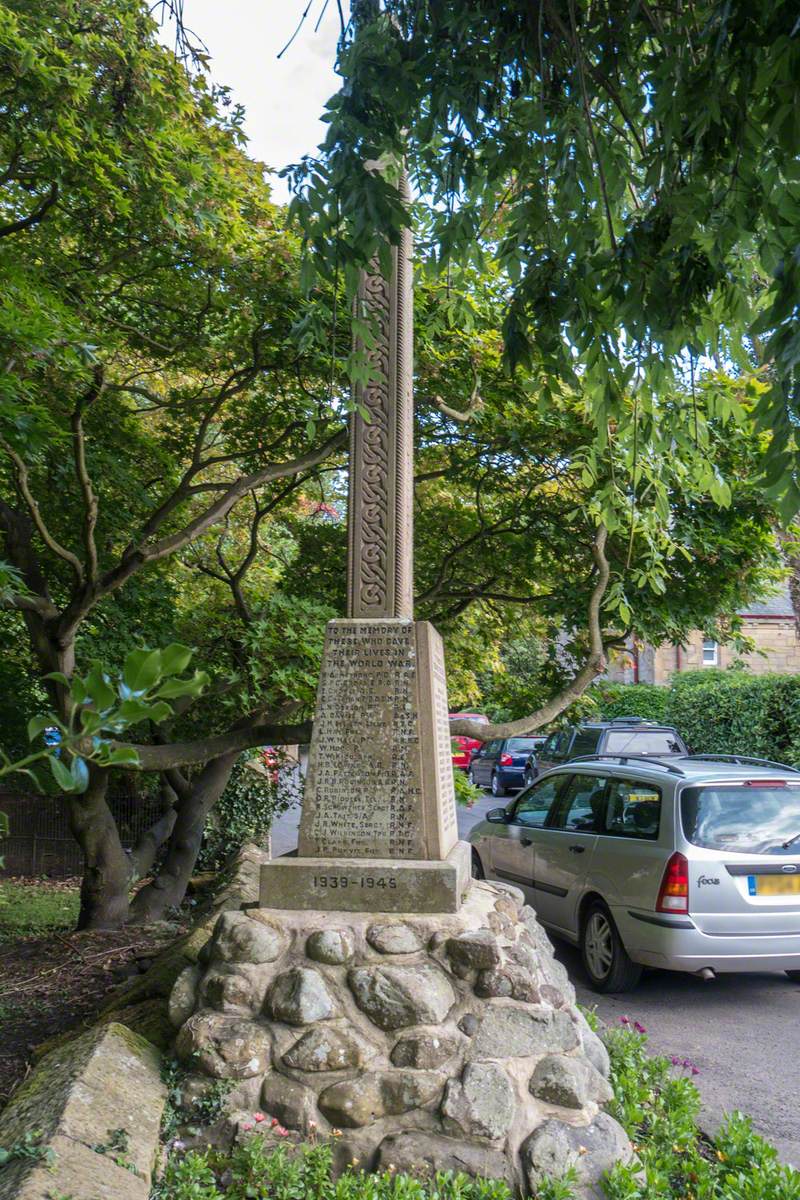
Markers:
point(283, 97)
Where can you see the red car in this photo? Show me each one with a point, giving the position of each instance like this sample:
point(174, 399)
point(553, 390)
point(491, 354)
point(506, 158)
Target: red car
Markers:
point(465, 747)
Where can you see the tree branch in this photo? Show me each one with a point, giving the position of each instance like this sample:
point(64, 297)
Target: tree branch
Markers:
point(33, 218)
point(81, 470)
point(184, 754)
point(38, 520)
point(475, 402)
point(595, 665)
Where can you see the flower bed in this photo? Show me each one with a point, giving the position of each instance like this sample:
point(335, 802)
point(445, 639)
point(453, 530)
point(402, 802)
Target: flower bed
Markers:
point(654, 1099)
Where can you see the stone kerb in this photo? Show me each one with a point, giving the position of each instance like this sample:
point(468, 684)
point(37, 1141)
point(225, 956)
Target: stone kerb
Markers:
point(96, 1104)
point(447, 1041)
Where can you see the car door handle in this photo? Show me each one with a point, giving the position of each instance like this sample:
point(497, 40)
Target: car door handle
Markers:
point(525, 842)
point(577, 849)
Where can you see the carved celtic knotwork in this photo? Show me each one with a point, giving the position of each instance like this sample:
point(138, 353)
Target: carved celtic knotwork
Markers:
point(379, 541)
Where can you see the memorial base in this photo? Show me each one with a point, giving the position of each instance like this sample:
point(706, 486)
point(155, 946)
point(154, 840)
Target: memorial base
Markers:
point(448, 1041)
point(367, 884)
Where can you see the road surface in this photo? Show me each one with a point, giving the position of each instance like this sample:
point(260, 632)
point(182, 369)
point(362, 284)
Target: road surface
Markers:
point(742, 1031)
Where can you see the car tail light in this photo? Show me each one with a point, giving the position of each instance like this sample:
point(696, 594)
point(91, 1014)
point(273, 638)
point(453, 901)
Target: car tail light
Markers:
point(673, 895)
point(506, 760)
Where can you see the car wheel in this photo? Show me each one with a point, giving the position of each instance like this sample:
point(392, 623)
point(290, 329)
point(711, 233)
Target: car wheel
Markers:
point(794, 976)
point(477, 867)
point(471, 777)
point(497, 787)
point(605, 958)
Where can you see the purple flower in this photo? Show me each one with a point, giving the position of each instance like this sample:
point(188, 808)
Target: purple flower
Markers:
point(639, 1027)
point(687, 1062)
point(676, 1062)
point(624, 1020)
point(695, 1070)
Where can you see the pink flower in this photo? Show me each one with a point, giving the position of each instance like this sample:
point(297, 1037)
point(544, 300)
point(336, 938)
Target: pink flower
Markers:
point(639, 1027)
point(274, 1122)
point(258, 1118)
point(695, 1070)
point(248, 1126)
point(281, 1132)
point(624, 1020)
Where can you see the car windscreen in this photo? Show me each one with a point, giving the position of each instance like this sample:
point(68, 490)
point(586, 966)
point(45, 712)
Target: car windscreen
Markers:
point(642, 741)
point(517, 745)
point(744, 819)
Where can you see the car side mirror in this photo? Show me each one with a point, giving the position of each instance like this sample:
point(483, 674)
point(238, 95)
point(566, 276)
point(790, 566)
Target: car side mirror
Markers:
point(498, 816)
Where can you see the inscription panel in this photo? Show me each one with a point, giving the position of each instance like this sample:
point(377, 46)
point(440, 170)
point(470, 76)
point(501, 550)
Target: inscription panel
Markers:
point(380, 778)
point(364, 790)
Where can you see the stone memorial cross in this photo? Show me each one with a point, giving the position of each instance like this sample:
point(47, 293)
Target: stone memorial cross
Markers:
point(378, 826)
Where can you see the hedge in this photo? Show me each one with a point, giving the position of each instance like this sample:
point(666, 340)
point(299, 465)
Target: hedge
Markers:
point(718, 712)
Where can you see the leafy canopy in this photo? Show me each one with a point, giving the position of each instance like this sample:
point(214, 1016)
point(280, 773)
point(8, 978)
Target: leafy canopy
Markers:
point(632, 169)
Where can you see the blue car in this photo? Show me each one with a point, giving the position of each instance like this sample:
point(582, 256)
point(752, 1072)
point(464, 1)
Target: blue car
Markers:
point(500, 764)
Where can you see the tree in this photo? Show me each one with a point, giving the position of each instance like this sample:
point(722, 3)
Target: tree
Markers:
point(632, 171)
point(173, 435)
point(151, 384)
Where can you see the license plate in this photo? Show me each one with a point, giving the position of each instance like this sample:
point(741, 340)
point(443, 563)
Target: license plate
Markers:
point(773, 885)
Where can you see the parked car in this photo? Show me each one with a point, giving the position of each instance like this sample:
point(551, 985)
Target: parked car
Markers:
point(690, 863)
point(500, 764)
point(621, 735)
point(465, 747)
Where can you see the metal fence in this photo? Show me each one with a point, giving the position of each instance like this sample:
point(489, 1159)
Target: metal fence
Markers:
point(40, 842)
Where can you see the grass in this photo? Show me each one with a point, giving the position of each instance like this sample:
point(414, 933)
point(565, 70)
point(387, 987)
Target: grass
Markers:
point(35, 909)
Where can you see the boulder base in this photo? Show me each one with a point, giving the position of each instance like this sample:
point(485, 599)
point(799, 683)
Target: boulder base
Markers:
point(390, 1031)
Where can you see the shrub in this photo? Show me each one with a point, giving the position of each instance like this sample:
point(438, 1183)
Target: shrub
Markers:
point(645, 700)
point(733, 712)
point(717, 712)
point(244, 813)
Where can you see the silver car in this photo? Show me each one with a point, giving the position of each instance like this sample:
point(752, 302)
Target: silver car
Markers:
point(690, 863)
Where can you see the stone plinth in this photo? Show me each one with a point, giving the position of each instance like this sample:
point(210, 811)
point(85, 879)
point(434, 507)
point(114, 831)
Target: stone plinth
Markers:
point(380, 778)
point(367, 885)
point(447, 1041)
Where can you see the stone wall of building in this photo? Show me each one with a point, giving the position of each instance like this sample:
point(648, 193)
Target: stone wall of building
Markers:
point(777, 651)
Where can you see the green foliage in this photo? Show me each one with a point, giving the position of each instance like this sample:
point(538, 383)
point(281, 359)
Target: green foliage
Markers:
point(191, 1114)
point(244, 813)
point(598, 182)
point(466, 793)
point(718, 712)
point(733, 712)
point(36, 909)
point(637, 700)
point(103, 704)
point(658, 1107)
point(257, 1170)
point(117, 1146)
point(28, 1147)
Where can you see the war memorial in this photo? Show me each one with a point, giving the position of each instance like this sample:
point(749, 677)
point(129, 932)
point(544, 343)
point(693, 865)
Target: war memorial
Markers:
point(379, 992)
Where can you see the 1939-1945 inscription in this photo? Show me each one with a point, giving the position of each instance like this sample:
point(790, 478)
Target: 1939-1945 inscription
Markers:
point(371, 792)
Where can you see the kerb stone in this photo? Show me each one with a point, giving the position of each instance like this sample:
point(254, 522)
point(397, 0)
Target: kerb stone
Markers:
point(105, 1080)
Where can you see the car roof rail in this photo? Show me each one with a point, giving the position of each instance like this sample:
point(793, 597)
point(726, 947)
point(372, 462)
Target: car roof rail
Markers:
point(632, 720)
point(742, 759)
point(650, 759)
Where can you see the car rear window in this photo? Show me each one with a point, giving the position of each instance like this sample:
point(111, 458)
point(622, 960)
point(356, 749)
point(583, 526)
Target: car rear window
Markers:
point(747, 820)
point(516, 745)
point(642, 741)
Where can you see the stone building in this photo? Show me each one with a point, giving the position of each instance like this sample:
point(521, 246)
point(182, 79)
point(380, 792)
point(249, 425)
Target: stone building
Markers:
point(770, 624)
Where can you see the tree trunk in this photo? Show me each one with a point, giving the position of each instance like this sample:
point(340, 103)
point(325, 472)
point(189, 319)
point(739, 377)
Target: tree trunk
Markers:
point(168, 888)
point(104, 888)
